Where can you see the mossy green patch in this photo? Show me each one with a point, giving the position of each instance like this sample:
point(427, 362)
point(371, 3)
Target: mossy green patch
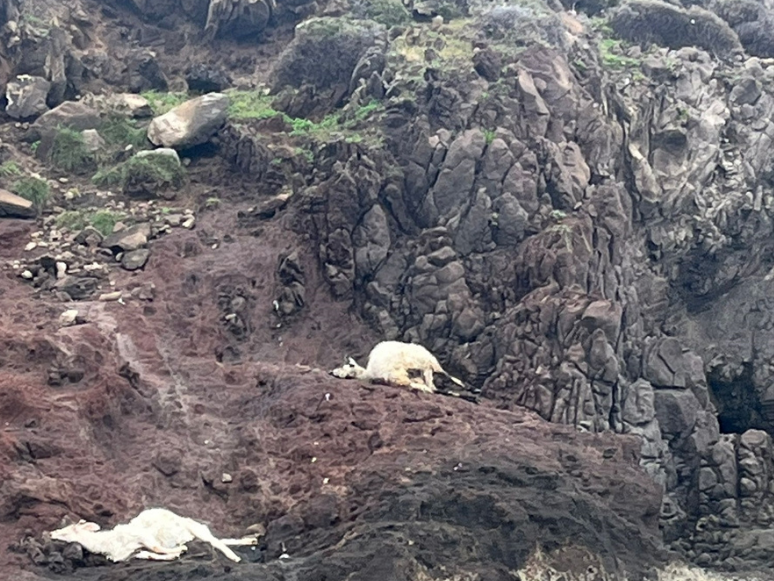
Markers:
point(152, 171)
point(102, 220)
point(164, 102)
point(34, 189)
point(69, 151)
point(9, 169)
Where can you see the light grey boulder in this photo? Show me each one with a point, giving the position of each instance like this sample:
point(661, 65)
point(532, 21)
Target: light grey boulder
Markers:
point(192, 123)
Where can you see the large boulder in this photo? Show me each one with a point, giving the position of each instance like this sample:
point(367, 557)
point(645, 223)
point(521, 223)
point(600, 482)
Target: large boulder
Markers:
point(664, 24)
point(13, 206)
point(325, 52)
point(191, 123)
point(26, 97)
point(239, 18)
point(71, 114)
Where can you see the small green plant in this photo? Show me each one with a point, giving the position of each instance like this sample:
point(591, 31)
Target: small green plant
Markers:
point(212, 202)
point(102, 220)
point(558, 215)
point(108, 177)
point(609, 50)
point(489, 135)
point(307, 127)
point(9, 169)
point(34, 189)
point(69, 151)
point(250, 105)
point(153, 172)
point(34, 146)
point(72, 220)
point(119, 132)
point(105, 220)
point(163, 102)
point(308, 154)
point(386, 12)
point(365, 111)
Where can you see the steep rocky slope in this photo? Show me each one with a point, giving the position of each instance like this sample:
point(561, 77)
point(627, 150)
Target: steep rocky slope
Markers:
point(579, 226)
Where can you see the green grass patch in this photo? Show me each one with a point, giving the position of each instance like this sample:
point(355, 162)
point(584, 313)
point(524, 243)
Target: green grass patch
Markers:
point(119, 132)
point(34, 189)
point(102, 220)
point(9, 169)
point(250, 105)
point(609, 51)
point(69, 151)
point(164, 102)
point(156, 171)
point(386, 12)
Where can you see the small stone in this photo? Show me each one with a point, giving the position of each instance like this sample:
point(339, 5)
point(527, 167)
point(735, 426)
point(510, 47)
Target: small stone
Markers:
point(226, 478)
point(27, 274)
point(68, 318)
point(61, 269)
point(31, 246)
point(114, 296)
point(63, 180)
point(189, 223)
point(135, 259)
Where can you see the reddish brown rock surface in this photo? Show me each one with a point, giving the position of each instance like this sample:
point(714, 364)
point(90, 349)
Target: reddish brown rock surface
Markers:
point(132, 409)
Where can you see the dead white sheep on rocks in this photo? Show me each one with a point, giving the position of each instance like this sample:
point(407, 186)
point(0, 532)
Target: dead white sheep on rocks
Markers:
point(160, 532)
point(392, 362)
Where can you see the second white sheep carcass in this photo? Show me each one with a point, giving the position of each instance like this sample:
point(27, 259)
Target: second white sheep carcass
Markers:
point(161, 534)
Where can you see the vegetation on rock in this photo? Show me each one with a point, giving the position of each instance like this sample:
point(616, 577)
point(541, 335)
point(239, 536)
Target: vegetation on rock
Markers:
point(32, 188)
point(69, 151)
point(143, 174)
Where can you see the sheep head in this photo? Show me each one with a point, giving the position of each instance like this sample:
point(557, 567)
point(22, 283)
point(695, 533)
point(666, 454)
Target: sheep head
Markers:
point(73, 533)
point(350, 370)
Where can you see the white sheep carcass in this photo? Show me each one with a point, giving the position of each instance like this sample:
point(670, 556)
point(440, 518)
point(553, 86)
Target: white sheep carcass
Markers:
point(391, 362)
point(162, 532)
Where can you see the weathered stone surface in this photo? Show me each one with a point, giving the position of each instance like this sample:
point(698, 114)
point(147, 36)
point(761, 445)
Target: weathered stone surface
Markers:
point(164, 151)
point(135, 259)
point(192, 123)
point(13, 206)
point(71, 114)
point(26, 97)
point(128, 239)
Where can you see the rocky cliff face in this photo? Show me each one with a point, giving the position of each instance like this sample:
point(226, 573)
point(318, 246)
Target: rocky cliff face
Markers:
point(573, 213)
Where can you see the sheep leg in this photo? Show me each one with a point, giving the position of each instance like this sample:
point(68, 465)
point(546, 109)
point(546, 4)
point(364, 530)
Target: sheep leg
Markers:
point(243, 542)
point(203, 533)
point(428, 375)
point(150, 556)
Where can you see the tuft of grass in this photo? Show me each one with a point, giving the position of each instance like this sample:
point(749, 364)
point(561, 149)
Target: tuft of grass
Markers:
point(308, 154)
point(69, 152)
point(609, 50)
point(250, 105)
point(102, 220)
point(309, 128)
point(386, 12)
point(489, 135)
point(72, 220)
point(34, 189)
point(105, 220)
point(159, 170)
point(163, 102)
point(119, 131)
point(212, 202)
point(9, 169)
